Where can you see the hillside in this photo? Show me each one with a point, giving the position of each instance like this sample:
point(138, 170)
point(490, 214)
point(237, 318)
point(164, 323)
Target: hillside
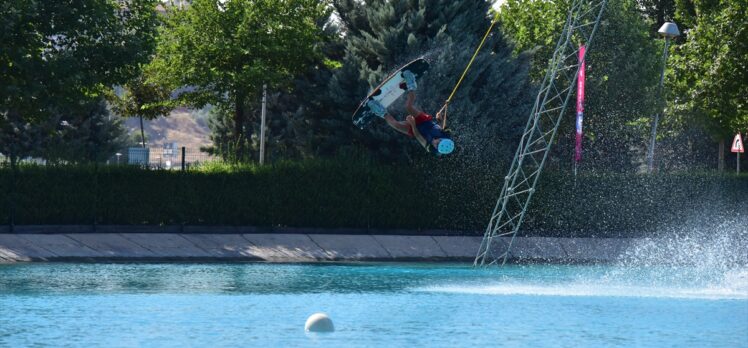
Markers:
point(180, 127)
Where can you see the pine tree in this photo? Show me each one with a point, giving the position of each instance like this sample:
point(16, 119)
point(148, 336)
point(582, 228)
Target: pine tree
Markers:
point(294, 114)
point(86, 133)
point(487, 112)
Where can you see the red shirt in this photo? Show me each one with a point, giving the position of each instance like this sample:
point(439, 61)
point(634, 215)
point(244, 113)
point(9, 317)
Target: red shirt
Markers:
point(420, 118)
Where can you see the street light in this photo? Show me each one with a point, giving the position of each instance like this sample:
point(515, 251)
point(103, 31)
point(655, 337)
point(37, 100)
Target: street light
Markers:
point(669, 30)
point(262, 123)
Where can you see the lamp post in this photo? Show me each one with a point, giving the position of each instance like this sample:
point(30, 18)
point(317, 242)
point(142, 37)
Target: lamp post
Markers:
point(262, 123)
point(668, 30)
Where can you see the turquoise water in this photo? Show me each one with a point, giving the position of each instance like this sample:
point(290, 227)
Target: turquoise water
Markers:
point(372, 305)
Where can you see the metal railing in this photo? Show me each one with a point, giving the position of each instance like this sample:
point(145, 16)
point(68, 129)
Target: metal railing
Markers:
point(161, 157)
point(152, 157)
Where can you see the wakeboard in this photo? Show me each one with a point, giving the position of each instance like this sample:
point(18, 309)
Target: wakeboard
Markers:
point(388, 91)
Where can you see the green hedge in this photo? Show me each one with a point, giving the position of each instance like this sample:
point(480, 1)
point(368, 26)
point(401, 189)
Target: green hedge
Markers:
point(359, 194)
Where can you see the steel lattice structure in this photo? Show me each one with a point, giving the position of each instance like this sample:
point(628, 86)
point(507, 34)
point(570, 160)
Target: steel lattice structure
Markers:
point(550, 104)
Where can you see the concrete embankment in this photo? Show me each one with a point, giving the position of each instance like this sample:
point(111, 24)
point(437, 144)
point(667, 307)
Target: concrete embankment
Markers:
point(291, 247)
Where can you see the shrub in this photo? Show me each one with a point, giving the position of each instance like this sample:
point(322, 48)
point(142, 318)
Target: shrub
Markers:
point(362, 194)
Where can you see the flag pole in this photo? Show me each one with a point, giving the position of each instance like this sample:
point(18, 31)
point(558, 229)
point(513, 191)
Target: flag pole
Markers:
point(580, 110)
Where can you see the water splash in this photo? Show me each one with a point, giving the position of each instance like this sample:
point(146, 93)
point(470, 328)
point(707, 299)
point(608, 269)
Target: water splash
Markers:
point(708, 257)
point(685, 263)
point(590, 288)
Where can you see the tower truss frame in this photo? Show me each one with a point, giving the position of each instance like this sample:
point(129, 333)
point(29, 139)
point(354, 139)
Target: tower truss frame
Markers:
point(540, 131)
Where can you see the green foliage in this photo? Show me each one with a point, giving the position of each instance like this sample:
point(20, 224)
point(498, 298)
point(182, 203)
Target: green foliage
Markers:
point(623, 67)
point(141, 98)
point(295, 115)
point(534, 26)
point(616, 204)
point(657, 12)
point(57, 54)
point(486, 114)
point(358, 193)
point(221, 53)
point(87, 133)
point(225, 145)
point(710, 78)
point(292, 113)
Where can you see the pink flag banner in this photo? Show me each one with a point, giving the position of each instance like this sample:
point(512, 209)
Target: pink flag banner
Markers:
point(580, 106)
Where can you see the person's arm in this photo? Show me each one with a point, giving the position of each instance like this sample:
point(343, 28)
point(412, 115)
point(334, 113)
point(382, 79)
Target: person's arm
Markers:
point(421, 140)
point(412, 109)
point(402, 127)
point(441, 116)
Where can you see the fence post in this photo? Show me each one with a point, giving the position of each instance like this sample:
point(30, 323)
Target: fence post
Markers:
point(368, 194)
point(183, 165)
point(12, 195)
point(96, 194)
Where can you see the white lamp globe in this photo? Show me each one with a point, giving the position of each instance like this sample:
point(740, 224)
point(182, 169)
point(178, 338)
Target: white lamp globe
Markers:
point(669, 30)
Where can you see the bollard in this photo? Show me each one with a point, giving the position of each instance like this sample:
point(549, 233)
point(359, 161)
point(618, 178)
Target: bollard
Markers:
point(319, 322)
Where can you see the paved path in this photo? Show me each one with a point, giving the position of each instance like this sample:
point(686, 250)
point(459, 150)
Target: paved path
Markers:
point(279, 247)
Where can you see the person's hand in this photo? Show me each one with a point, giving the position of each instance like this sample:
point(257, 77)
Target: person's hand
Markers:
point(440, 115)
point(411, 120)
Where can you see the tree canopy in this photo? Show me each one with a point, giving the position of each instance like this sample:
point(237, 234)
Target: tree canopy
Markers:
point(143, 99)
point(221, 53)
point(623, 67)
point(488, 111)
point(710, 77)
point(57, 54)
point(59, 58)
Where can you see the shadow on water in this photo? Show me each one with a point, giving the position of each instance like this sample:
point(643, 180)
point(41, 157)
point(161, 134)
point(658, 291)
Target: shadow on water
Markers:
point(255, 278)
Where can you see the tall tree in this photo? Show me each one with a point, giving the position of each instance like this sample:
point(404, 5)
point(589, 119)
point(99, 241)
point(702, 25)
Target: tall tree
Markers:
point(623, 66)
point(658, 12)
point(293, 113)
point(57, 53)
point(487, 112)
point(710, 85)
point(143, 99)
point(222, 52)
point(84, 133)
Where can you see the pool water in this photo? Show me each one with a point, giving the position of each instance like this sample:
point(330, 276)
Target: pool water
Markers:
point(372, 305)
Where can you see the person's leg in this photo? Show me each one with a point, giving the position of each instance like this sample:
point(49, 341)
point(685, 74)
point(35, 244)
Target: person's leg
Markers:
point(378, 109)
point(400, 126)
point(410, 80)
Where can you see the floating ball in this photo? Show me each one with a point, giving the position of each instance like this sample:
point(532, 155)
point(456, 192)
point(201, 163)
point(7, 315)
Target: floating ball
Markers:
point(319, 322)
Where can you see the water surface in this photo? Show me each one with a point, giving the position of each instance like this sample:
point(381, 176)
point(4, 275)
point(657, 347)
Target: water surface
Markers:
point(372, 305)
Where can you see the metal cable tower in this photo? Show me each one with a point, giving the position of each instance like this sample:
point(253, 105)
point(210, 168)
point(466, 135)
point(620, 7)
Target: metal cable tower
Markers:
point(550, 104)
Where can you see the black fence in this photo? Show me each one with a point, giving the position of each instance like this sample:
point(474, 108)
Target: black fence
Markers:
point(161, 157)
point(153, 157)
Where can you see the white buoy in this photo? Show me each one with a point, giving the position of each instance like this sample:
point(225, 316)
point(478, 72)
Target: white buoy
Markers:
point(319, 322)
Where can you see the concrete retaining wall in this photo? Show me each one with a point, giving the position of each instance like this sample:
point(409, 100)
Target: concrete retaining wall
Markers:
point(279, 247)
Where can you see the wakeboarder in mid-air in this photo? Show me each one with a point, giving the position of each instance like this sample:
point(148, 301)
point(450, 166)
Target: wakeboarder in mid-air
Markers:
point(429, 132)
